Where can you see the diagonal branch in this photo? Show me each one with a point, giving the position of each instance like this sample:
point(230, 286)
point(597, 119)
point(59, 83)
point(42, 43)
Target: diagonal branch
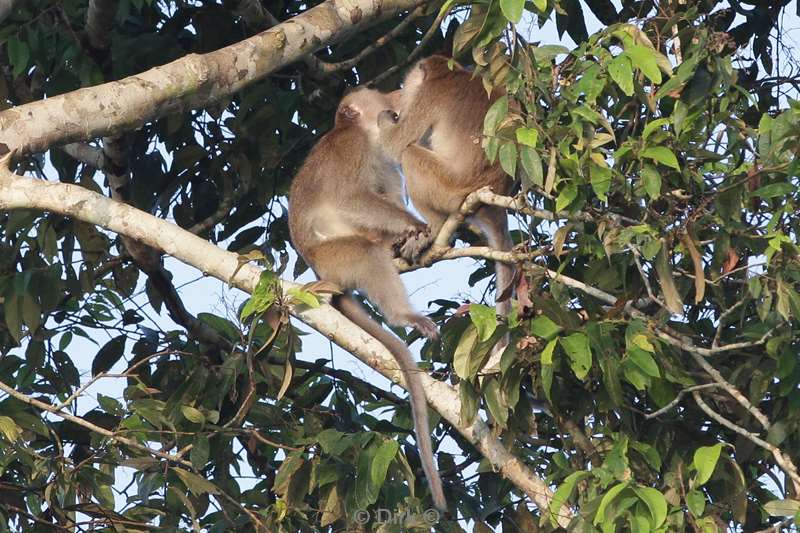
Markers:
point(784, 461)
point(91, 427)
point(190, 82)
point(70, 200)
point(6, 7)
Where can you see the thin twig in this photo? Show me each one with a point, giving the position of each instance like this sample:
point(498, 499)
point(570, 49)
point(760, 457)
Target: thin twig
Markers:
point(88, 425)
point(784, 462)
point(678, 398)
point(435, 26)
point(722, 317)
point(324, 68)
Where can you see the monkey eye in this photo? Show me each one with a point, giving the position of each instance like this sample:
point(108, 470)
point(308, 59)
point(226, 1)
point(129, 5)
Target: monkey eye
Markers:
point(395, 117)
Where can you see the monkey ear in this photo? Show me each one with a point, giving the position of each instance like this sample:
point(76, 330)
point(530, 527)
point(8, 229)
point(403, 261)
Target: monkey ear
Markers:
point(349, 112)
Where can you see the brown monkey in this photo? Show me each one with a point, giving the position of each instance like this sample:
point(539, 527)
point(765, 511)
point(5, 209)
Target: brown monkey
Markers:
point(346, 213)
point(437, 139)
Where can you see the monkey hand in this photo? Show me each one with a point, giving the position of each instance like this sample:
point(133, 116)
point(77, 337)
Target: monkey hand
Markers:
point(425, 326)
point(413, 247)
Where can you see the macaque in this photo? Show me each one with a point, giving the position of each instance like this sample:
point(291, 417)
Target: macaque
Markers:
point(346, 213)
point(435, 133)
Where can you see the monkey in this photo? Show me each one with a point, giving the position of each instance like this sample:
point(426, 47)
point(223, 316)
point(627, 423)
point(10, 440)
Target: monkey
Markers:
point(435, 133)
point(346, 213)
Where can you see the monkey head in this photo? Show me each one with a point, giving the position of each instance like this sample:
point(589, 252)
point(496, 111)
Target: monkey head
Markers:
point(361, 107)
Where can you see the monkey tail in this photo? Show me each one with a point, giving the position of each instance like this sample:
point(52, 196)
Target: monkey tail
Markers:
point(350, 308)
point(494, 223)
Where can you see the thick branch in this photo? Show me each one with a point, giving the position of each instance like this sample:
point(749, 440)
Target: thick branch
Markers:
point(77, 202)
point(187, 83)
point(6, 7)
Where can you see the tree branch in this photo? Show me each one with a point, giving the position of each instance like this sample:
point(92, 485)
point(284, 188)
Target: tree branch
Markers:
point(6, 7)
point(784, 461)
point(91, 427)
point(70, 200)
point(190, 82)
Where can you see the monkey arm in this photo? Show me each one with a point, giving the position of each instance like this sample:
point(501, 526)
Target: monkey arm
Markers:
point(375, 214)
point(398, 132)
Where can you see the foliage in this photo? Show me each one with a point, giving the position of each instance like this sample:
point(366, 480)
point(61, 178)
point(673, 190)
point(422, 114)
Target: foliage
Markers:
point(671, 275)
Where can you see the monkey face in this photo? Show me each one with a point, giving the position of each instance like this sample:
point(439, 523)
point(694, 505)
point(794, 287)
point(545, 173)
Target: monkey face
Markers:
point(362, 107)
point(387, 118)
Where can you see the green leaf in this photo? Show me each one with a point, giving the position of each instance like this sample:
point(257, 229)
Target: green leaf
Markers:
point(293, 462)
point(577, 348)
point(469, 402)
point(782, 507)
point(661, 154)
point(652, 126)
point(705, 461)
point(495, 401)
point(463, 352)
point(19, 54)
point(773, 189)
point(304, 297)
point(496, 113)
point(200, 451)
point(649, 453)
point(9, 429)
point(566, 196)
point(532, 165)
point(484, 318)
point(469, 353)
point(655, 501)
point(543, 327)
point(108, 355)
point(508, 158)
point(672, 298)
point(527, 136)
point(384, 455)
point(196, 484)
point(192, 414)
point(541, 5)
point(607, 498)
point(651, 180)
point(644, 361)
point(696, 502)
point(645, 60)
point(600, 178)
point(563, 494)
point(263, 295)
point(512, 9)
point(621, 72)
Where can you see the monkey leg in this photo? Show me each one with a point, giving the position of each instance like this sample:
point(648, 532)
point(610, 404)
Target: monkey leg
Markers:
point(433, 184)
point(357, 263)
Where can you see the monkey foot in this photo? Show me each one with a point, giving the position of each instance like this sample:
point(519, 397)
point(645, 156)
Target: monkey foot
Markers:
point(426, 326)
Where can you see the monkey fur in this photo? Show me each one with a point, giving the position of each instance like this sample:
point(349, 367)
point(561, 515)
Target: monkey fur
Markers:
point(435, 133)
point(346, 213)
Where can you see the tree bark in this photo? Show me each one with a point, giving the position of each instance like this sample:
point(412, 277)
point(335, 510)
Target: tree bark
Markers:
point(190, 82)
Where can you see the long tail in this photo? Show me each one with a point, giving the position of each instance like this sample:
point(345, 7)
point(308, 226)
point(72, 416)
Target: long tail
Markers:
point(350, 308)
point(494, 223)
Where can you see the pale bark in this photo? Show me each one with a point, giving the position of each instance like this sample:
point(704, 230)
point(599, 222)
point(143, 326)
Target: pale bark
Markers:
point(187, 83)
point(71, 200)
point(6, 7)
